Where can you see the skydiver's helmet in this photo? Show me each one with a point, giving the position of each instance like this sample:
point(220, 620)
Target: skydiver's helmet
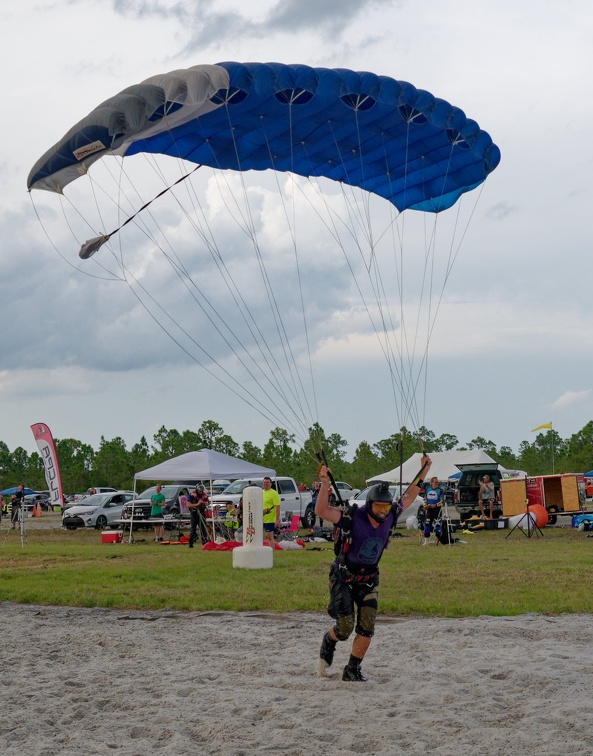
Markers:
point(200, 489)
point(379, 492)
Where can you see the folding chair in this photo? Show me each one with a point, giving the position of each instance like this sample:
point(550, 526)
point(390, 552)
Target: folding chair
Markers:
point(290, 531)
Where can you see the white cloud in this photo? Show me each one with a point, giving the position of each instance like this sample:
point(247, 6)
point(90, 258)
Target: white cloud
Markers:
point(572, 399)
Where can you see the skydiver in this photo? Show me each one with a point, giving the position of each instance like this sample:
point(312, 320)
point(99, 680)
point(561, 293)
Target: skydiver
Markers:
point(354, 574)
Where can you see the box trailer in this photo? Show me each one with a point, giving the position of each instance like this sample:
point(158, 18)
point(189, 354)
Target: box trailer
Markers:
point(557, 493)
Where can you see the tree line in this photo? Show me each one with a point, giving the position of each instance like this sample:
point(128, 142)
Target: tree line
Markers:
point(113, 464)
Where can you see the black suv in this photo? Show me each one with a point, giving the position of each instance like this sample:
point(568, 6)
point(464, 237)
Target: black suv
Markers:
point(140, 507)
point(468, 488)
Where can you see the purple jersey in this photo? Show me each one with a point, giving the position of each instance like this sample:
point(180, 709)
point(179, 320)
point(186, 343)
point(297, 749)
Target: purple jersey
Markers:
point(367, 542)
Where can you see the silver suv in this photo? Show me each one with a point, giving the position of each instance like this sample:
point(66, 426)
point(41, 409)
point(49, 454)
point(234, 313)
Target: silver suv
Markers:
point(97, 511)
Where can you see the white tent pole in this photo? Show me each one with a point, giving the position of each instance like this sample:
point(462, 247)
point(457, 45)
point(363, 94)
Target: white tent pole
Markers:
point(132, 518)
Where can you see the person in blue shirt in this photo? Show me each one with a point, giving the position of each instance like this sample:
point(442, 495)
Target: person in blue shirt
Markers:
point(434, 497)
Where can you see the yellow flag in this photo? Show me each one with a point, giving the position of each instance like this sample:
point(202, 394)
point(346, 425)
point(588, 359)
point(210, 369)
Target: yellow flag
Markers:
point(539, 427)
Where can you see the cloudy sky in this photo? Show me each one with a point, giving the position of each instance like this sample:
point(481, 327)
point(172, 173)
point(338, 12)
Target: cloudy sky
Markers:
point(511, 347)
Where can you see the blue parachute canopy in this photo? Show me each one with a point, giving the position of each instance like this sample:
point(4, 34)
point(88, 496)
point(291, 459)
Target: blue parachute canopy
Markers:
point(358, 128)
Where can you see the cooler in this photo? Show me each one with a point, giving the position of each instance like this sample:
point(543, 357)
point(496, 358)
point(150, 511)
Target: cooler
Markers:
point(111, 536)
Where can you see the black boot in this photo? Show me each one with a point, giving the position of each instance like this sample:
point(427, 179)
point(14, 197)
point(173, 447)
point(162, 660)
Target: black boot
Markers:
point(328, 647)
point(352, 671)
point(326, 654)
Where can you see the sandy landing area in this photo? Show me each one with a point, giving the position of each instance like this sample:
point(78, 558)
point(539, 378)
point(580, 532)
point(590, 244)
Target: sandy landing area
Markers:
point(96, 681)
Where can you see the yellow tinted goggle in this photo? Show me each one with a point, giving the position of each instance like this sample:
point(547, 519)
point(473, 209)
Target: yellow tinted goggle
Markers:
point(382, 504)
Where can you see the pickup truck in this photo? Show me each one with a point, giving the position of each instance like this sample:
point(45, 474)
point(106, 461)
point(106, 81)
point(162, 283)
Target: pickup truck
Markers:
point(468, 488)
point(140, 507)
point(292, 501)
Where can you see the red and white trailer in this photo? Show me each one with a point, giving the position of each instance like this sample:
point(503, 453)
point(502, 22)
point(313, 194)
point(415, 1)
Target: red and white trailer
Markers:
point(562, 493)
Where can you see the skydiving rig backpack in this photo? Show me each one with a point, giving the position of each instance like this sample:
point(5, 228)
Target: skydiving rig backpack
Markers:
point(343, 533)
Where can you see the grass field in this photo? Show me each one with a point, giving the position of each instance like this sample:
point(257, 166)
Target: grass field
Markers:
point(490, 575)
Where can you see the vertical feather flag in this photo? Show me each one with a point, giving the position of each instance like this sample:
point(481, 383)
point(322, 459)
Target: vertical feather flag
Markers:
point(47, 449)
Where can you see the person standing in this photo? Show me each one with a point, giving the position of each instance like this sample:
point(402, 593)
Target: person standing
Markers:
point(486, 495)
point(354, 574)
point(17, 506)
point(434, 497)
point(157, 505)
point(198, 506)
point(271, 504)
point(232, 519)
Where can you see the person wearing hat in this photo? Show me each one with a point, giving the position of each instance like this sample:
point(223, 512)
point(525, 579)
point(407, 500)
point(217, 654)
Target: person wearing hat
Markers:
point(198, 505)
point(354, 574)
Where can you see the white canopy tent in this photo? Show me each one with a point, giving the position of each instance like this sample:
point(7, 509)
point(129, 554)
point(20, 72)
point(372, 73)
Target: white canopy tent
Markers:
point(443, 465)
point(204, 465)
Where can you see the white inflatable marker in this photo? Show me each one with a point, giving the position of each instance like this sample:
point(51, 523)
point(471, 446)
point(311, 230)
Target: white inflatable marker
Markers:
point(252, 555)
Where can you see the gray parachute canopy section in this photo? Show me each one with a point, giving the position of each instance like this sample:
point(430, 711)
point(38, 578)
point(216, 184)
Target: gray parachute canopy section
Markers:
point(136, 112)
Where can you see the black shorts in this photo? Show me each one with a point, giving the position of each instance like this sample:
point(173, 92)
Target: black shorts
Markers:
point(14, 517)
point(347, 594)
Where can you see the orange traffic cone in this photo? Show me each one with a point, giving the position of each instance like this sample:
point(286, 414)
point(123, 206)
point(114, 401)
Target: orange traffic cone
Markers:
point(37, 510)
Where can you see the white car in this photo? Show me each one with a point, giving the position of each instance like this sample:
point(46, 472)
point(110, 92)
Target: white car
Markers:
point(346, 490)
point(218, 486)
point(97, 511)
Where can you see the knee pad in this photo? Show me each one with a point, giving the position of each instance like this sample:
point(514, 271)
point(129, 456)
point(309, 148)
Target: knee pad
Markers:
point(344, 627)
point(366, 620)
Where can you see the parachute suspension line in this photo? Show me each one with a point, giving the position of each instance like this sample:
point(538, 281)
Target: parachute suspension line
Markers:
point(272, 375)
point(242, 307)
point(111, 277)
point(81, 216)
point(407, 397)
point(149, 159)
point(210, 243)
point(261, 409)
point(95, 244)
point(298, 267)
point(453, 257)
point(332, 229)
point(269, 416)
point(218, 260)
point(330, 225)
point(289, 357)
point(184, 276)
point(366, 197)
point(408, 394)
point(377, 284)
point(292, 230)
point(405, 350)
point(381, 297)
